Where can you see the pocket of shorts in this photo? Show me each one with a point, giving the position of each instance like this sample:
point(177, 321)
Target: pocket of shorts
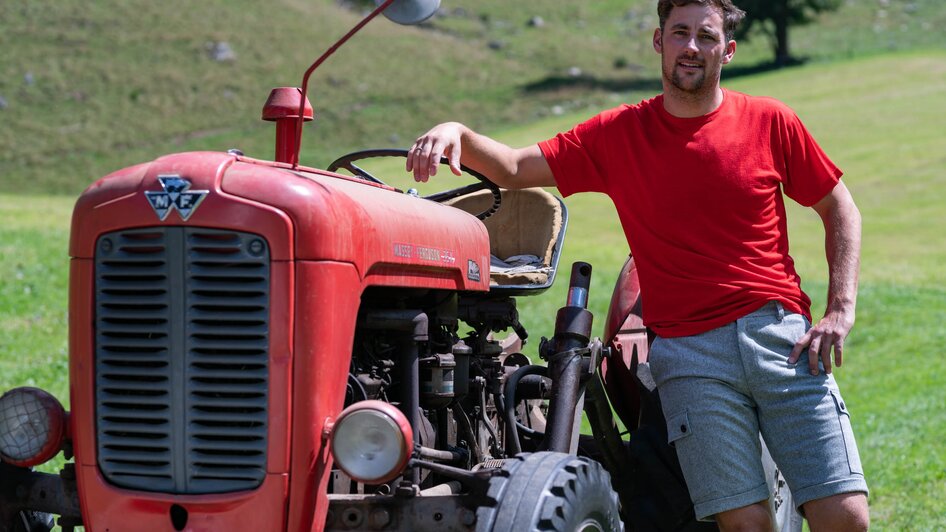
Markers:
point(778, 336)
point(847, 432)
point(678, 427)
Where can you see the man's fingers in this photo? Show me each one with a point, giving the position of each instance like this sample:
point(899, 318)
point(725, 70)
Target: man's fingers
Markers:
point(814, 351)
point(433, 159)
point(454, 158)
point(409, 160)
point(826, 347)
point(799, 347)
point(424, 156)
point(419, 155)
point(821, 340)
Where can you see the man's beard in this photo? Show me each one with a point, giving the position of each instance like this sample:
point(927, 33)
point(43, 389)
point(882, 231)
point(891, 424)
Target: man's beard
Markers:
point(695, 87)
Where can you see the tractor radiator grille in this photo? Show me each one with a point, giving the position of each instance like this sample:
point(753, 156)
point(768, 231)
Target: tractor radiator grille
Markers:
point(181, 359)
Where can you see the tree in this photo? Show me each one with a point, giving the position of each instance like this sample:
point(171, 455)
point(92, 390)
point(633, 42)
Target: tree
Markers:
point(773, 17)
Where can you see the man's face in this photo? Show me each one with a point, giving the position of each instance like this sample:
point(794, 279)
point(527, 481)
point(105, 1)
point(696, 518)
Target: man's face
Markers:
point(693, 49)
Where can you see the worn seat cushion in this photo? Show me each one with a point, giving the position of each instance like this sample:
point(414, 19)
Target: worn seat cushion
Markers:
point(528, 223)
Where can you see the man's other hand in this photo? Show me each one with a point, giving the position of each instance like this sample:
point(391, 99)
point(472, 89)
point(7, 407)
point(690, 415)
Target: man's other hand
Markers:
point(826, 336)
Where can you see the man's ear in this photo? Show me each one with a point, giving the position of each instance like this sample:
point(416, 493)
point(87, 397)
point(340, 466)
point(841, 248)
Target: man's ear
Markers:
point(658, 47)
point(730, 52)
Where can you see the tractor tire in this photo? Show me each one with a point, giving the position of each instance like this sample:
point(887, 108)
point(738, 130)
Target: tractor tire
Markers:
point(29, 521)
point(662, 502)
point(551, 491)
point(659, 500)
point(781, 501)
point(12, 519)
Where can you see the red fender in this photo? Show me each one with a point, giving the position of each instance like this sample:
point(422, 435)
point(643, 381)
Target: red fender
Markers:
point(628, 338)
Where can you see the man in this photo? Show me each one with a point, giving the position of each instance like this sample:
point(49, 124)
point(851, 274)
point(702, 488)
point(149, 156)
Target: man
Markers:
point(695, 174)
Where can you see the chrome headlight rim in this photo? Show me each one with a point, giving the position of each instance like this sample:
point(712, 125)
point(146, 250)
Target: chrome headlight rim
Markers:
point(28, 412)
point(385, 422)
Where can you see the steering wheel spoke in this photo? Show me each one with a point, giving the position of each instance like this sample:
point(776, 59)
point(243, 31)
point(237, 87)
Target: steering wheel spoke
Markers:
point(348, 162)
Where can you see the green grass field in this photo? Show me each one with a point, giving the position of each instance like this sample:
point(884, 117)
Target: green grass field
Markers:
point(89, 87)
point(880, 118)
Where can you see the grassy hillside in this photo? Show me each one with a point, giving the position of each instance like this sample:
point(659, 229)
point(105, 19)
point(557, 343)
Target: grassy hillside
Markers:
point(88, 87)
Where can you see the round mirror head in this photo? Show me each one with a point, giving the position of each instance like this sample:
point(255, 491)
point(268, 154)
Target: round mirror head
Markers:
point(410, 11)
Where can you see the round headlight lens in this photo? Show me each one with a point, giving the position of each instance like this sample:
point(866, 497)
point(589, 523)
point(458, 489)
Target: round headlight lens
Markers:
point(372, 441)
point(32, 424)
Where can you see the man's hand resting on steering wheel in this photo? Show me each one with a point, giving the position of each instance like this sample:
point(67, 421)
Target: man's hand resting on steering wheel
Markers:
point(505, 166)
point(443, 140)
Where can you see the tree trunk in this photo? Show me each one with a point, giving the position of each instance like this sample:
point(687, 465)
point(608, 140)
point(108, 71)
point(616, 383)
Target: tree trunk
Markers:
point(780, 17)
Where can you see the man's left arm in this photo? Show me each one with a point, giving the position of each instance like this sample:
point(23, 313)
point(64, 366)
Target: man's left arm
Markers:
point(842, 224)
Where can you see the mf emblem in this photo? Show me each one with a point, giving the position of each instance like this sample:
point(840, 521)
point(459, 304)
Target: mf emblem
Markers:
point(176, 195)
point(472, 270)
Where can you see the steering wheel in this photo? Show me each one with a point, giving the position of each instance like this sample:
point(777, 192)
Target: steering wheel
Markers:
point(348, 163)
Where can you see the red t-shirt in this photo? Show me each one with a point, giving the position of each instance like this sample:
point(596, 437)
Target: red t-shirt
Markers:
point(699, 202)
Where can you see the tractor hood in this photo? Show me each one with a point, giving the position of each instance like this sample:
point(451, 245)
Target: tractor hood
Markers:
point(306, 214)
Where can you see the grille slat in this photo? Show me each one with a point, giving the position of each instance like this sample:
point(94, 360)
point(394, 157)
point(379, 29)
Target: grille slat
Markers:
point(182, 361)
point(131, 457)
point(110, 442)
point(228, 403)
point(233, 473)
point(147, 470)
point(248, 462)
point(132, 389)
point(236, 447)
point(204, 345)
point(143, 329)
point(234, 417)
point(226, 330)
point(138, 345)
point(228, 374)
point(229, 359)
point(143, 415)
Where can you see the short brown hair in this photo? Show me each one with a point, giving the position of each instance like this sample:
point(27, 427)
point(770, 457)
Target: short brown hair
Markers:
point(732, 15)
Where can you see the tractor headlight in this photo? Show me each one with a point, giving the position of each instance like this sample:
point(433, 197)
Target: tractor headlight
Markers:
point(32, 425)
point(372, 441)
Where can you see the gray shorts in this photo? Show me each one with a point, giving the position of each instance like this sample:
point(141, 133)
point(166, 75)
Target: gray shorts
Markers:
point(721, 388)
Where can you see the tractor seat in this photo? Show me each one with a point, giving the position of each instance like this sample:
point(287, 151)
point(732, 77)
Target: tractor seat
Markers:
point(529, 222)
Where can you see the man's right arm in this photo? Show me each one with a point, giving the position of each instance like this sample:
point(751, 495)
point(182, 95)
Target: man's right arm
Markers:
point(505, 166)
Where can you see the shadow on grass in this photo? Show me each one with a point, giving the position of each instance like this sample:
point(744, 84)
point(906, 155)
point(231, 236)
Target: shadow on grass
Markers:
point(560, 82)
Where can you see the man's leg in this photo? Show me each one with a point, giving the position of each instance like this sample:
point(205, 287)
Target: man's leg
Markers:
point(843, 513)
point(846, 512)
point(712, 422)
point(806, 424)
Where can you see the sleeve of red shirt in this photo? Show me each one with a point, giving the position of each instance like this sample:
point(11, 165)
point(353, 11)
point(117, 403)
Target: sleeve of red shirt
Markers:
point(571, 156)
point(809, 173)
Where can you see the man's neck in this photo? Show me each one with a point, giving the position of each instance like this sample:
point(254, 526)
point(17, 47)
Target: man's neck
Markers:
point(686, 105)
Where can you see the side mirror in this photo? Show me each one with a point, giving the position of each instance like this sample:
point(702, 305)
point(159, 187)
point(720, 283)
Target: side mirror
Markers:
point(410, 11)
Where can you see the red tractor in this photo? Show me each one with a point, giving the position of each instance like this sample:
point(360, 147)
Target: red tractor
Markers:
point(258, 345)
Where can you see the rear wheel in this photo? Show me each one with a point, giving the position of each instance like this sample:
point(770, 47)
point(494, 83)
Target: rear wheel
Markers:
point(551, 491)
point(786, 517)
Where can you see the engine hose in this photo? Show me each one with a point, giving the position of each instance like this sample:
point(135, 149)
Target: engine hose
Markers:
point(467, 428)
point(355, 383)
point(513, 446)
point(489, 426)
point(442, 456)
